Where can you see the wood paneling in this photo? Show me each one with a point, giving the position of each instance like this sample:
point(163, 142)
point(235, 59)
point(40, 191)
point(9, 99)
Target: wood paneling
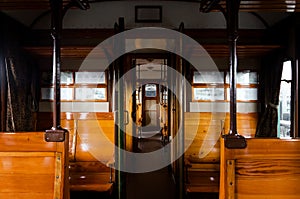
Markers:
point(214, 50)
point(31, 167)
point(14, 142)
point(267, 168)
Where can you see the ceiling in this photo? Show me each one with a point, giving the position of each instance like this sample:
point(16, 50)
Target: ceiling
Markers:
point(246, 6)
point(267, 12)
point(270, 11)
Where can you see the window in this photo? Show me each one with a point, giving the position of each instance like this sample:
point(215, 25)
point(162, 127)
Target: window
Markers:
point(247, 86)
point(76, 86)
point(208, 86)
point(150, 90)
point(285, 100)
point(212, 86)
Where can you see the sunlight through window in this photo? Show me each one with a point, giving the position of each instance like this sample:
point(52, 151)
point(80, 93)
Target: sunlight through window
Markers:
point(285, 100)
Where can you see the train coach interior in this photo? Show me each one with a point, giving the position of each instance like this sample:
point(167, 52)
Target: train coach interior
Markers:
point(149, 99)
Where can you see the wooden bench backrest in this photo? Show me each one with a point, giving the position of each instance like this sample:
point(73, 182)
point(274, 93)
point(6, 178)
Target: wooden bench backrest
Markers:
point(87, 172)
point(208, 123)
point(32, 168)
point(267, 168)
point(87, 127)
point(203, 155)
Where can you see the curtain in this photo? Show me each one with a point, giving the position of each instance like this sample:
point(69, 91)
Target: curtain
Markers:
point(271, 79)
point(20, 102)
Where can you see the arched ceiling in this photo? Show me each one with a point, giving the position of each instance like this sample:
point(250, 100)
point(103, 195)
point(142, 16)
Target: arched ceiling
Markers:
point(254, 13)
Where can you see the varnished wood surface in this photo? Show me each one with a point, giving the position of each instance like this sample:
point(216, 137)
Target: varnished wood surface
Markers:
point(267, 168)
point(214, 50)
point(206, 123)
point(203, 181)
point(202, 173)
point(31, 167)
point(88, 166)
point(24, 141)
point(88, 172)
point(83, 127)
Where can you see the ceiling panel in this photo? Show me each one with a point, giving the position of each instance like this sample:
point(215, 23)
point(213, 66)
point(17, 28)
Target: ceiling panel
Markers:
point(246, 6)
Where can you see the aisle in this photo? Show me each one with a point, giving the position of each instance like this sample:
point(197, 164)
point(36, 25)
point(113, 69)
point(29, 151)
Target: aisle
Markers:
point(152, 185)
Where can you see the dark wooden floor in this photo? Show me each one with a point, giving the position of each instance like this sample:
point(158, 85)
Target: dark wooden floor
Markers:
point(157, 184)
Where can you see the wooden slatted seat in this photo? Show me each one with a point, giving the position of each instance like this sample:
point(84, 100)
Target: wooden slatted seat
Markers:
point(31, 167)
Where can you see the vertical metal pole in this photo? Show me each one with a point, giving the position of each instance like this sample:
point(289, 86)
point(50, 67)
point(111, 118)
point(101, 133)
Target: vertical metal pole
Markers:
point(181, 108)
point(232, 27)
point(233, 139)
point(56, 134)
point(119, 130)
point(56, 34)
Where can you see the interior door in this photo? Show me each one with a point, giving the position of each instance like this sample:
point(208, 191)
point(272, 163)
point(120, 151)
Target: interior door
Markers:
point(151, 107)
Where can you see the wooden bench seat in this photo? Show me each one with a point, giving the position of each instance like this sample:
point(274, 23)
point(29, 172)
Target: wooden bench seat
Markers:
point(87, 173)
point(32, 168)
point(91, 176)
point(202, 158)
point(202, 173)
point(202, 181)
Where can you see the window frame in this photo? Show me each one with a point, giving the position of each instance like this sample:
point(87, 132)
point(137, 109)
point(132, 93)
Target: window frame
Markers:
point(47, 84)
point(226, 86)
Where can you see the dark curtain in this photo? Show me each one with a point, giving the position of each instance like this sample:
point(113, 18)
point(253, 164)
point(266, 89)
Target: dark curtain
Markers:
point(271, 78)
point(18, 78)
point(20, 92)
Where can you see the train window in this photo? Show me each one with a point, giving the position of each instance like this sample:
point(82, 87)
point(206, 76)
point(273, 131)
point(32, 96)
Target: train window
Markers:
point(246, 77)
point(150, 90)
point(206, 77)
point(212, 94)
point(66, 78)
point(47, 93)
point(81, 86)
point(247, 86)
point(208, 86)
point(89, 77)
point(212, 86)
point(285, 100)
point(90, 94)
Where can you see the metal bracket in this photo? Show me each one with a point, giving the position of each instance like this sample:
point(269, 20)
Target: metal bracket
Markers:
point(235, 141)
point(55, 135)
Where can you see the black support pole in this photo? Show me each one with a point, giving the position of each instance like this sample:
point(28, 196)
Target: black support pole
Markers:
point(56, 35)
point(233, 139)
point(120, 136)
point(56, 133)
point(232, 27)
